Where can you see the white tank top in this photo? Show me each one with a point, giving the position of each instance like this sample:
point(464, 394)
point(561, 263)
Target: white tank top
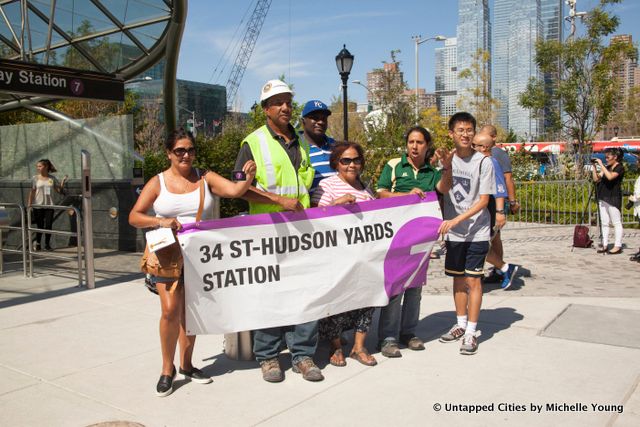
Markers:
point(184, 207)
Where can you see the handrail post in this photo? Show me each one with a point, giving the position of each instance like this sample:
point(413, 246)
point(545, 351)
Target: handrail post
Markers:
point(24, 247)
point(30, 240)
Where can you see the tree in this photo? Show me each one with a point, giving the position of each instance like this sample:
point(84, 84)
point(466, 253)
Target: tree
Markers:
point(381, 131)
point(584, 90)
point(437, 126)
point(149, 131)
point(478, 97)
point(628, 118)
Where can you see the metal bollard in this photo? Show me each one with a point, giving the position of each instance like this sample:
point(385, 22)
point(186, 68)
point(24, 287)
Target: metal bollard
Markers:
point(239, 346)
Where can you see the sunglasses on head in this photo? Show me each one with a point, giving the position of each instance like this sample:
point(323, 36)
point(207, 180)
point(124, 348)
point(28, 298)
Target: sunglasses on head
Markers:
point(182, 151)
point(346, 161)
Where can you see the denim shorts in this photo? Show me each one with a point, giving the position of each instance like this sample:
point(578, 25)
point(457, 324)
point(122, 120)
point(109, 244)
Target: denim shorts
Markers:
point(159, 279)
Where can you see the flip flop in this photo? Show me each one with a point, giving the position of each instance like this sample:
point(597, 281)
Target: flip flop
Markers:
point(361, 356)
point(335, 362)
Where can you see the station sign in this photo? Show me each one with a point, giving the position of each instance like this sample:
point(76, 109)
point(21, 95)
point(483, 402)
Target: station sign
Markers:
point(58, 82)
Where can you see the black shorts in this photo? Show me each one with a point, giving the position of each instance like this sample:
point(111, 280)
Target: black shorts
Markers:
point(465, 258)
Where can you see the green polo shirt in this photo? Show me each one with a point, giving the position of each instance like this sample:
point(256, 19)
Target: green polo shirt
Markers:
point(406, 178)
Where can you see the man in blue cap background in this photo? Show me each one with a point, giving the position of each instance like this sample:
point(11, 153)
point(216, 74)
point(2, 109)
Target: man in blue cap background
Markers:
point(315, 119)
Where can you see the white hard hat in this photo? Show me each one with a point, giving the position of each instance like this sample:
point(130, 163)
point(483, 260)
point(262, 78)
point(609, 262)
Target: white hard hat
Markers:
point(274, 87)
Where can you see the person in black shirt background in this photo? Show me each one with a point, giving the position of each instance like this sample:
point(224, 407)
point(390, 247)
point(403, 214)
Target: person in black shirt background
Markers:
point(608, 180)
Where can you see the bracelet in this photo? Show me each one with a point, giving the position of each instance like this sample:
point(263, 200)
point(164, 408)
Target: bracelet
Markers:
point(501, 211)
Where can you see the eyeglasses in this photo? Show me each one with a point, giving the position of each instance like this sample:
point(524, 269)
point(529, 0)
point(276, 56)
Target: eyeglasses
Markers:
point(180, 152)
point(479, 147)
point(346, 161)
point(465, 131)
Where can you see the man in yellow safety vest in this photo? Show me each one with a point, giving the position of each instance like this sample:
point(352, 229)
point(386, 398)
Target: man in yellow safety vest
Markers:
point(283, 178)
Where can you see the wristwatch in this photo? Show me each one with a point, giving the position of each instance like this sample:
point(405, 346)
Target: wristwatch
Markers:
point(501, 211)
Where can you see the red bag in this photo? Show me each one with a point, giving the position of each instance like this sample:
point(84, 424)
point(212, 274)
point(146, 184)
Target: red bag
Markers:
point(581, 237)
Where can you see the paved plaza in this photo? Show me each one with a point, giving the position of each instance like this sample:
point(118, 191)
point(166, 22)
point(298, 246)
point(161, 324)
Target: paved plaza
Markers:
point(559, 348)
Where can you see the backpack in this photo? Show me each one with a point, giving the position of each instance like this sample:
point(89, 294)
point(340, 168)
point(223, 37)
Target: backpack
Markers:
point(581, 237)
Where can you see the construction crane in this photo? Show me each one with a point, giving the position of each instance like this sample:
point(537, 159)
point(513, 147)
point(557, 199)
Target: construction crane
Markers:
point(254, 26)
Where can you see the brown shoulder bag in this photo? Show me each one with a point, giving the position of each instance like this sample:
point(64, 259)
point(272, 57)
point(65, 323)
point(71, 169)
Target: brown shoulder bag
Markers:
point(167, 262)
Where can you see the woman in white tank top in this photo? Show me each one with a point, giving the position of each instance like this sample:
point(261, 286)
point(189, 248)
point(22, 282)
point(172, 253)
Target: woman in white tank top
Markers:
point(174, 195)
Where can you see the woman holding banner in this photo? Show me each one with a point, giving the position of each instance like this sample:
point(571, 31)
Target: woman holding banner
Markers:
point(175, 196)
point(409, 174)
point(347, 158)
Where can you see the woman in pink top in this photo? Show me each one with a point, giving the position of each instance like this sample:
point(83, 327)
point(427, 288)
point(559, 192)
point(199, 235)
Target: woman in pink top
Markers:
point(347, 158)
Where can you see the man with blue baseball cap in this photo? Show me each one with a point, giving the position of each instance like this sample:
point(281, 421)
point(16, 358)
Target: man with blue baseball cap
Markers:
point(315, 115)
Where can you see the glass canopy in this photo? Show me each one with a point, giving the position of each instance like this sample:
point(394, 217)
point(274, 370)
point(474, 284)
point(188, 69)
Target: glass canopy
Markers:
point(108, 36)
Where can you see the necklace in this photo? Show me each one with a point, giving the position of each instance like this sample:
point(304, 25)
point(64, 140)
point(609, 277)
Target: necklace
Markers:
point(181, 183)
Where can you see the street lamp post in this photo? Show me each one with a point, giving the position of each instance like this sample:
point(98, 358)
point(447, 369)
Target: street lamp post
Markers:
point(344, 62)
point(418, 41)
point(373, 95)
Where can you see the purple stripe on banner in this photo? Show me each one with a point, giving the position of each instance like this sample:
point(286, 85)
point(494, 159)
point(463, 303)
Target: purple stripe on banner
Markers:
point(313, 213)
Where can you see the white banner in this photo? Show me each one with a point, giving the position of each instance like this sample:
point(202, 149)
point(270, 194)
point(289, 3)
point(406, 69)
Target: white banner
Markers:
point(268, 270)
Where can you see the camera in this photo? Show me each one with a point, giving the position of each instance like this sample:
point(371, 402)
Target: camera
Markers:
point(594, 161)
point(238, 176)
point(629, 204)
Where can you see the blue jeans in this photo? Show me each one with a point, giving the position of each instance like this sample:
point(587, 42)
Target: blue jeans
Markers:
point(402, 319)
point(302, 341)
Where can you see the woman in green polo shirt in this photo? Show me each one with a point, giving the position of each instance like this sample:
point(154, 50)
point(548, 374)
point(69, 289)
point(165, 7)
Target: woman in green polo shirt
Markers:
point(409, 174)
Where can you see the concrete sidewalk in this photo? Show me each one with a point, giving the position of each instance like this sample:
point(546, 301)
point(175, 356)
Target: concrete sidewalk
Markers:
point(563, 338)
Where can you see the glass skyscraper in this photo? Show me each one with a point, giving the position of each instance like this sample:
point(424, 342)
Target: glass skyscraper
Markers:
point(447, 77)
point(473, 33)
point(517, 26)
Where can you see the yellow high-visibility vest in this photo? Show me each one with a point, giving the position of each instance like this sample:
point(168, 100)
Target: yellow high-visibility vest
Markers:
point(275, 173)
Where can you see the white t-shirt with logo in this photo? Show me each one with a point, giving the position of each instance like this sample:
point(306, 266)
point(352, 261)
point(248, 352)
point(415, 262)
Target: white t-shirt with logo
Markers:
point(44, 188)
point(470, 180)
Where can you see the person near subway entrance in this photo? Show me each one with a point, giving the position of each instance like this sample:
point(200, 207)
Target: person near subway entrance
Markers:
point(608, 179)
point(42, 187)
point(347, 158)
point(283, 178)
point(315, 119)
point(466, 227)
point(409, 174)
point(503, 275)
point(174, 195)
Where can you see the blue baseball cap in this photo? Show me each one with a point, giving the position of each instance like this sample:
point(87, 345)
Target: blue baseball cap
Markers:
point(315, 105)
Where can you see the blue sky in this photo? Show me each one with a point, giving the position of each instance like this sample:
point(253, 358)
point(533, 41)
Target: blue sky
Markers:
point(300, 39)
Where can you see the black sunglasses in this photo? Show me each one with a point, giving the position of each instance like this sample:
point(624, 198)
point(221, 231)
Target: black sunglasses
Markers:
point(346, 161)
point(180, 152)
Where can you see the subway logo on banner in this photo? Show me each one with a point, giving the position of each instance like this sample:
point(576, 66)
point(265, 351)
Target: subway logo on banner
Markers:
point(58, 82)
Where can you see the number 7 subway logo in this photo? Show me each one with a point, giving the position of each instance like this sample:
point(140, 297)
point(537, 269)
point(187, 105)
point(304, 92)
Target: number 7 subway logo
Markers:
point(406, 262)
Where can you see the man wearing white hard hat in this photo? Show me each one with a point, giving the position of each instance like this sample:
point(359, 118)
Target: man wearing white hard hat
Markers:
point(283, 178)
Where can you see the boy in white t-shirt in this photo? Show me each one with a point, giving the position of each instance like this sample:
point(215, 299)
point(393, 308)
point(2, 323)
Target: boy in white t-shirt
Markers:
point(466, 228)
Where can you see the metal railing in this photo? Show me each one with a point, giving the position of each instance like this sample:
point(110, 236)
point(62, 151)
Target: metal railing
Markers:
point(560, 203)
point(23, 249)
point(77, 234)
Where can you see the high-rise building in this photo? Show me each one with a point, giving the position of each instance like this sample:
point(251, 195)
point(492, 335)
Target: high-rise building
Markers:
point(500, 59)
point(625, 72)
point(517, 26)
point(383, 79)
point(447, 77)
point(551, 13)
point(473, 34)
point(425, 99)
point(551, 16)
